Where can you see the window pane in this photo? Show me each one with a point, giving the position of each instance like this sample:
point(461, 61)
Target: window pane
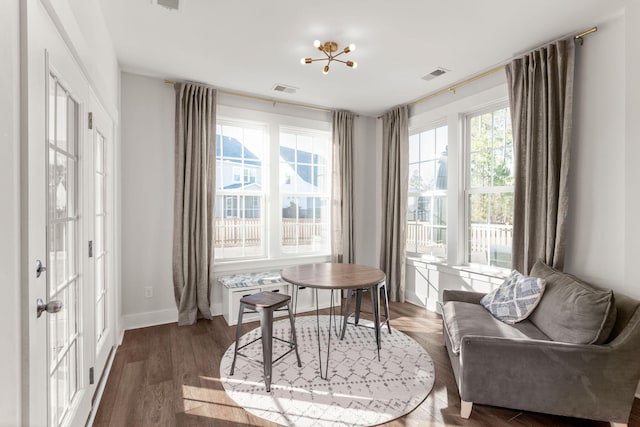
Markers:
point(491, 153)
point(427, 202)
point(491, 229)
point(427, 145)
point(305, 186)
point(238, 226)
point(240, 156)
point(490, 206)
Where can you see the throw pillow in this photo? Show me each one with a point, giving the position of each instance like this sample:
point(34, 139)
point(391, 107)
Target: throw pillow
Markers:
point(515, 299)
point(572, 310)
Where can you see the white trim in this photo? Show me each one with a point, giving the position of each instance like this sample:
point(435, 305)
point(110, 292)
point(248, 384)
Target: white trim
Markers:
point(101, 386)
point(150, 318)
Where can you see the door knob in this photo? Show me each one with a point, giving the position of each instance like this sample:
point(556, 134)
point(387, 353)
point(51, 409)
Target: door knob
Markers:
point(50, 307)
point(39, 268)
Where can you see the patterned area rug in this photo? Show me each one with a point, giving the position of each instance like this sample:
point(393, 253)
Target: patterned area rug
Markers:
point(360, 390)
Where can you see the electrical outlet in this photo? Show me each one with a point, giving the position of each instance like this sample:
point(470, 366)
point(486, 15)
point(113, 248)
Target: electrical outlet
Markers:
point(148, 292)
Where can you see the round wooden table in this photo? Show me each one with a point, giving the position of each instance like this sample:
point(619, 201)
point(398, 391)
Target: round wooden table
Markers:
point(334, 276)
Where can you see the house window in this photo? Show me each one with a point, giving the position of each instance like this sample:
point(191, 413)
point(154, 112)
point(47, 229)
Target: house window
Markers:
point(305, 190)
point(427, 193)
point(239, 218)
point(236, 174)
point(489, 187)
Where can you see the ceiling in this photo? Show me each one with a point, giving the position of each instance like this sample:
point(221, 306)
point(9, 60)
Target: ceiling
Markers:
point(249, 46)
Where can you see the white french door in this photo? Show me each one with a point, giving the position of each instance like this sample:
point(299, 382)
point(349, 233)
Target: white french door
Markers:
point(64, 280)
point(100, 174)
point(68, 259)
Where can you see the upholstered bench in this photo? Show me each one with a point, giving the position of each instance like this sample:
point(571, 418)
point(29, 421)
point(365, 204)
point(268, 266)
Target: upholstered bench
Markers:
point(238, 286)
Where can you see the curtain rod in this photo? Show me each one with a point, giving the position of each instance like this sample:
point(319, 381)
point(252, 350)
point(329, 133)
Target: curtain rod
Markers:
point(453, 88)
point(258, 98)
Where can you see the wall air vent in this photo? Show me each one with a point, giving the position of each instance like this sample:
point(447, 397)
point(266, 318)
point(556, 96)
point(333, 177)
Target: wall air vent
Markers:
point(435, 73)
point(278, 87)
point(176, 5)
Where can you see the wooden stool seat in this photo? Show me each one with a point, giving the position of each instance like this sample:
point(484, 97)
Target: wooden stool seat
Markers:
point(266, 300)
point(265, 303)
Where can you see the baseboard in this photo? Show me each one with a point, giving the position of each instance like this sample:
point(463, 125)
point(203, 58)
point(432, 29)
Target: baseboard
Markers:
point(101, 386)
point(160, 317)
point(151, 318)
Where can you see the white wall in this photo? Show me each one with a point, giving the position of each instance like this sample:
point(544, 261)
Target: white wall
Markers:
point(367, 151)
point(10, 324)
point(597, 184)
point(632, 150)
point(147, 164)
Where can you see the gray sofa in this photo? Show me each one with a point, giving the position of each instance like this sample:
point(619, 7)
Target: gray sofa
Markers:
point(577, 354)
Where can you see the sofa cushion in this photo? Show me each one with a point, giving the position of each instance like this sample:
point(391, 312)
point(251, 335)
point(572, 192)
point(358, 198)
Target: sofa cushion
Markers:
point(515, 299)
point(463, 318)
point(571, 310)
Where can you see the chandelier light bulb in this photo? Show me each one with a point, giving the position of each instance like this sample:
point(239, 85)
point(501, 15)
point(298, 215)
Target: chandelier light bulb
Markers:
point(352, 64)
point(325, 70)
point(316, 43)
point(303, 60)
point(352, 47)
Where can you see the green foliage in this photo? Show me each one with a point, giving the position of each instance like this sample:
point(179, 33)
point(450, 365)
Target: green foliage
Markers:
point(491, 166)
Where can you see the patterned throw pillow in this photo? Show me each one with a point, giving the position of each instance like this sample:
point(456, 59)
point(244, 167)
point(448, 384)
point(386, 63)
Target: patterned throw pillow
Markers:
point(515, 299)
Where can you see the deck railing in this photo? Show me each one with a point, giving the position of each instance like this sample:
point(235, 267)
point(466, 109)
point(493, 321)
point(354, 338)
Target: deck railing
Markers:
point(233, 232)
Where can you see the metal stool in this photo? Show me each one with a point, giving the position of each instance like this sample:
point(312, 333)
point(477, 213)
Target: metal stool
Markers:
point(374, 304)
point(265, 303)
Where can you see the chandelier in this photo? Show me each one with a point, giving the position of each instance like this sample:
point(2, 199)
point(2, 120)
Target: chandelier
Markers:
point(329, 49)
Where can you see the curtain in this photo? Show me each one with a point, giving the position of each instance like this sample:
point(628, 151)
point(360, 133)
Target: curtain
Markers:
point(395, 176)
point(342, 242)
point(193, 203)
point(540, 88)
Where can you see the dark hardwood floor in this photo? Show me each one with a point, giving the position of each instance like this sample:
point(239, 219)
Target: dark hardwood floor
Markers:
point(169, 376)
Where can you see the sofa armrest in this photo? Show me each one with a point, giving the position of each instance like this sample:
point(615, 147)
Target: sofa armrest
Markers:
point(589, 381)
point(462, 296)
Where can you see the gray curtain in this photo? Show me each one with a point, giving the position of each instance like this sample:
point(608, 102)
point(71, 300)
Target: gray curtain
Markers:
point(395, 176)
point(541, 98)
point(195, 152)
point(342, 242)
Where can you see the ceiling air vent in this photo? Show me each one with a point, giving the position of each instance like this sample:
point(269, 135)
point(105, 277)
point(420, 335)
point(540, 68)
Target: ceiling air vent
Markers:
point(284, 88)
point(169, 4)
point(435, 73)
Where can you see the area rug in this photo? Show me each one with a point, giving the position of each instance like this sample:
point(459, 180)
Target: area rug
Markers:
point(360, 390)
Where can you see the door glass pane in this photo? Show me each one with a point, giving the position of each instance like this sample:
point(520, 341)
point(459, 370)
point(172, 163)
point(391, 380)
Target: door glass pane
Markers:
point(61, 180)
point(62, 228)
point(61, 118)
point(59, 249)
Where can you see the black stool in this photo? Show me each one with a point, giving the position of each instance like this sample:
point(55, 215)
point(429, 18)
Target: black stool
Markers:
point(265, 303)
point(374, 305)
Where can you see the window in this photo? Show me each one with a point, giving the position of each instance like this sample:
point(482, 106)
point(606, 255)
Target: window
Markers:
point(305, 190)
point(489, 189)
point(427, 194)
point(273, 185)
point(240, 161)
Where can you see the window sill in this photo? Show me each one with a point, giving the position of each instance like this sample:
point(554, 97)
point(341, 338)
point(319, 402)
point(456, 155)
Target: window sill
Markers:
point(264, 264)
point(460, 270)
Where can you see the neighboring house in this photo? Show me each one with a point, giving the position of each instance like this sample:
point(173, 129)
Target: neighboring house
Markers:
point(239, 171)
